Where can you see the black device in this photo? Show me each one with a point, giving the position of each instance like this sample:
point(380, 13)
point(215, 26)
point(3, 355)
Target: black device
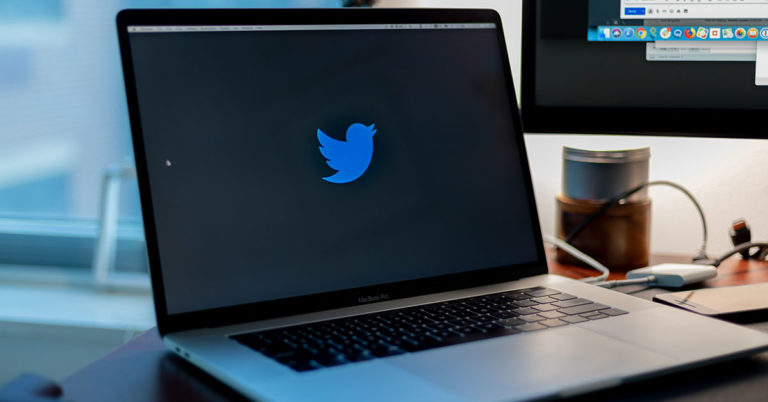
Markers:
point(257, 154)
point(740, 234)
point(731, 302)
point(573, 82)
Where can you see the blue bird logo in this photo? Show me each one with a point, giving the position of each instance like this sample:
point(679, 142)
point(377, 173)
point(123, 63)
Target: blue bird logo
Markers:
point(351, 157)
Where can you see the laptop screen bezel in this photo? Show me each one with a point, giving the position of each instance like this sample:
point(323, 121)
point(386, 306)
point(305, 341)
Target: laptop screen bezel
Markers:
point(168, 323)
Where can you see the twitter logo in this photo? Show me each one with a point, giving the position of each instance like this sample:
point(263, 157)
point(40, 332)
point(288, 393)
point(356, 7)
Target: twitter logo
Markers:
point(351, 157)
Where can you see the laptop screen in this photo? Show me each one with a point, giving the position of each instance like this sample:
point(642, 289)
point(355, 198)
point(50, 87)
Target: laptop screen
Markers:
point(296, 160)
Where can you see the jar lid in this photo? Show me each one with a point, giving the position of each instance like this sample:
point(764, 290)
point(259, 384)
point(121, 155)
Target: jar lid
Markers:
point(619, 156)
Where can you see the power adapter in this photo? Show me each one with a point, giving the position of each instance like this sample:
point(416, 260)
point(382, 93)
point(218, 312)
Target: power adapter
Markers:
point(675, 275)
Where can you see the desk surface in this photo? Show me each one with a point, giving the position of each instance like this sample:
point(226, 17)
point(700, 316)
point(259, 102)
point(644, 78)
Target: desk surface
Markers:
point(142, 370)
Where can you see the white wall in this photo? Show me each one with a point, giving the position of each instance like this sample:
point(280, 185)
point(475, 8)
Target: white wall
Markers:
point(728, 177)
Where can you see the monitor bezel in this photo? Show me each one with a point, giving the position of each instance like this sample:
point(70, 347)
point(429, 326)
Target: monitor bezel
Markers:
point(167, 322)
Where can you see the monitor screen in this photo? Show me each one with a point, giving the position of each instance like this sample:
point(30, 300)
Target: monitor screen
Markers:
point(287, 161)
point(645, 67)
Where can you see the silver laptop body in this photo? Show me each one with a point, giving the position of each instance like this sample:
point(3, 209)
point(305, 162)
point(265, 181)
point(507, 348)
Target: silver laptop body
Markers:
point(303, 166)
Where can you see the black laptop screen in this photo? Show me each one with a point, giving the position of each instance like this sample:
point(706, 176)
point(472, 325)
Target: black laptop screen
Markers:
point(288, 161)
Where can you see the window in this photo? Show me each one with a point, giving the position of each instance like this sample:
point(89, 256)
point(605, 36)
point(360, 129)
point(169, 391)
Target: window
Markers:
point(65, 139)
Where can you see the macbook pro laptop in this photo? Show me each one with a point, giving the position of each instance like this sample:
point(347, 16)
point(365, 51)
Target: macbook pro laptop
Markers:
point(338, 206)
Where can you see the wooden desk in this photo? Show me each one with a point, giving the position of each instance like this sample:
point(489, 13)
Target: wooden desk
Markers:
point(142, 370)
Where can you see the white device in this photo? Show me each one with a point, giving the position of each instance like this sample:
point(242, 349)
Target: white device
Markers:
point(675, 275)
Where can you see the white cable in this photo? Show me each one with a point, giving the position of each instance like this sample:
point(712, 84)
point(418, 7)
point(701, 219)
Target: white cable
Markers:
point(581, 256)
point(646, 280)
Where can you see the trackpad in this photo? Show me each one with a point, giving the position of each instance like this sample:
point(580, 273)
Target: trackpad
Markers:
point(532, 364)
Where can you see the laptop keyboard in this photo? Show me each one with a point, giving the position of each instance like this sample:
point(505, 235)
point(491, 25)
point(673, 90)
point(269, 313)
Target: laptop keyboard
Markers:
point(359, 338)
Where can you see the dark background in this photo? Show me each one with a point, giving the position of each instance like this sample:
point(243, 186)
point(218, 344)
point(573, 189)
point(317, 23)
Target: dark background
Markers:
point(243, 215)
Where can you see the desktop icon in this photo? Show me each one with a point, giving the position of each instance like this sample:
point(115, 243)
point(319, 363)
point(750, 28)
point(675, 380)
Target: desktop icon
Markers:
point(741, 33)
point(605, 33)
point(652, 32)
point(764, 33)
point(727, 33)
point(616, 33)
point(690, 33)
point(665, 32)
point(702, 33)
point(752, 33)
point(641, 33)
point(629, 32)
point(677, 33)
point(350, 158)
point(714, 33)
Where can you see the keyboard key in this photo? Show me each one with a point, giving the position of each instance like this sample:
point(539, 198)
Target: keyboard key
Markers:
point(531, 317)
point(467, 330)
point(532, 326)
point(443, 334)
point(514, 293)
point(546, 307)
point(542, 292)
point(331, 359)
point(545, 299)
point(472, 303)
point(459, 323)
point(503, 331)
point(525, 311)
point(518, 296)
point(571, 302)
point(510, 322)
point(461, 314)
point(278, 348)
point(495, 300)
point(408, 344)
point(524, 303)
point(563, 296)
point(483, 318)
point(504, 314)
point(586, 315)
point(573, 319)
point(487, 327)
point(553, 323)
point(584, 308)
point(442, 317)
point(441, 326)
point(597, 316)
point(359, 355)
point(613, 312)
point(384, 349)
point(552, 314)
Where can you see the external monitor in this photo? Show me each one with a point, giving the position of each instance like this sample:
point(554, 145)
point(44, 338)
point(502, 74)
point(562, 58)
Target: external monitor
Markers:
point(648, 67)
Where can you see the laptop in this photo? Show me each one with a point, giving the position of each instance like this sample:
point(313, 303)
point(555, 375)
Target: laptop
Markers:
point(338, 206)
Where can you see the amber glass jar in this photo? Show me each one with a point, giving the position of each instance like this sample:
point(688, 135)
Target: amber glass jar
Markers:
point(619, 238)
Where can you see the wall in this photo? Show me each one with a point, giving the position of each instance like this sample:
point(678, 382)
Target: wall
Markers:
point(728, 177)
